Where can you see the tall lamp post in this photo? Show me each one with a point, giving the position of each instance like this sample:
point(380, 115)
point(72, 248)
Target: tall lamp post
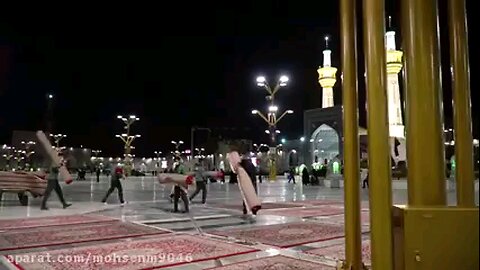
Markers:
point(10, 153)
point(272, 118)
point(127, 140)
point(49, 114)
point(177, 147)
point(95, 157)
point(272, 122)
point(28, 152)
point(158, 154)
point(56, 139)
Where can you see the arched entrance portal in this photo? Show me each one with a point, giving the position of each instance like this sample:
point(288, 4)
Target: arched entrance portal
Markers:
point(292, 159)
point(324, 143)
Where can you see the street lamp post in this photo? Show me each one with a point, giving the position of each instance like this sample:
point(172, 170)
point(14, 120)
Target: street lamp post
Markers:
point(49, 114)
point(56, 139)
point(272, 122)
point(177, 147)
point(128, 140)
point(28, 152)
point(271, 118)
point(10, 153)
point(95, 157)
point(158, 154)
point(200, 152)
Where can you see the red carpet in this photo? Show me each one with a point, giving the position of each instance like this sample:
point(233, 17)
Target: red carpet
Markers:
point(364, 204)
point(338, 252)
point(318, 202)
point(56, 235)
point(275, 262)
point(265, 205)
point(154, 252)
point(22, 223)
point(340, 219)
point(286, 235)
point(325, 210)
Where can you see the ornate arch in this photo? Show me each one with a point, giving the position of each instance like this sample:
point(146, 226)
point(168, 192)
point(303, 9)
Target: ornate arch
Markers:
point(324, 143)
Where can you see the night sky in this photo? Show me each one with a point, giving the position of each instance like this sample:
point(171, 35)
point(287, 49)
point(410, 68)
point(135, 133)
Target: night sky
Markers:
point(174, 66)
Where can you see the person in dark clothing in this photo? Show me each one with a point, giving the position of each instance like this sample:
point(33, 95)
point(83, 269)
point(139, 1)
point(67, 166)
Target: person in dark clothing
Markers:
point(222, 180)
point(115, 184)
point(233, 178)
point(305, 176)
point(247, 164)
point(178, 190)
point(53, 184)
point(98, 171)
point(291, 175)
point(200, 183)
point(365, 182)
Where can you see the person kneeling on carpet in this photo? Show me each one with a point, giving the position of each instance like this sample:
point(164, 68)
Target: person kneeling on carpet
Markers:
point(115, 184)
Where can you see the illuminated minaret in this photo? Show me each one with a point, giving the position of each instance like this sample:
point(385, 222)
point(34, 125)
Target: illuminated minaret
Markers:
point(394, 66)
point(326, 77)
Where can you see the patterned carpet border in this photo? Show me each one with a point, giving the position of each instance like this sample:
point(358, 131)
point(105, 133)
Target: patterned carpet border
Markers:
point(337, 252)
point(213, 249)
point(317, 202)
point(274, 262)
point(340, 219)
point(265, 205)
point(287, 234)
point(36, 222)
point(312, 211)
point(69, 234)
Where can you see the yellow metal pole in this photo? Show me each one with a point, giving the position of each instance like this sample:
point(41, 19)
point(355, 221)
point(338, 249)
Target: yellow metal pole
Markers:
point(424, 110)
point(348, 31)
point(457, 25)
point(378, 141)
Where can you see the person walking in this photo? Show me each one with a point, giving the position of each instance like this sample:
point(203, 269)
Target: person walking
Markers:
point(115, 184)
point(291, 175)
point(98, 171)
point(179, 191)
point(200, 180)
point(53, 184)
point(365, 181)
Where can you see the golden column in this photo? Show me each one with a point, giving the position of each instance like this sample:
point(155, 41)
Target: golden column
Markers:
point(424, 109)
point(348, 32)
point(461, 107)
point(378, 134)
point(327, 78)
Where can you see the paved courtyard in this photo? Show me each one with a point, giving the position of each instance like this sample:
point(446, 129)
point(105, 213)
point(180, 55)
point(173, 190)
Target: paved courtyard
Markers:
point(312, 212)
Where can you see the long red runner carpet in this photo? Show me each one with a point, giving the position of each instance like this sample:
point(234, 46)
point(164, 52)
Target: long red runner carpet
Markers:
point(340, 219)
point(317, 202)
point(324, 210)
point(337, 252)
point(286, 235)
point(275, 262)
point(57, 235)
point(265, 205)
point(150, 253)
point(21, 223)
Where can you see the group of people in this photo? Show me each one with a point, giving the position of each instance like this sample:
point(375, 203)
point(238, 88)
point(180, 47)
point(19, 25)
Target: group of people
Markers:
point(179, 191)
